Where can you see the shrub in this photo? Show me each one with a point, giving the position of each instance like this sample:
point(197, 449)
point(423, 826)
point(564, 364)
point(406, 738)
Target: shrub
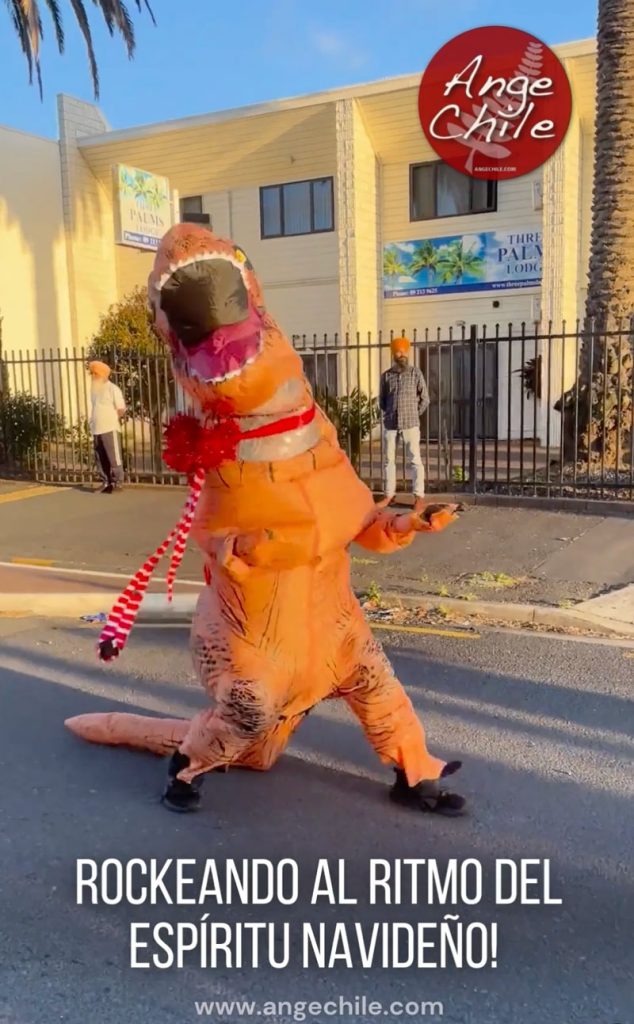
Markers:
point(26, 423)
point(353, 416)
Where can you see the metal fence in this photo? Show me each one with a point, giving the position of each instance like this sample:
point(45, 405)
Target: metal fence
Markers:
point(509, 410)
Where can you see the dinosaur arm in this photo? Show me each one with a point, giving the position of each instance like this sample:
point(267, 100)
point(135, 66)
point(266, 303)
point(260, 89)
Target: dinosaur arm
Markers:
point(389, 531)
point(264, 549)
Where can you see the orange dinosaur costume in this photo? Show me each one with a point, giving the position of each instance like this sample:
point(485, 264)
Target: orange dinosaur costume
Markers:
point(278, 628)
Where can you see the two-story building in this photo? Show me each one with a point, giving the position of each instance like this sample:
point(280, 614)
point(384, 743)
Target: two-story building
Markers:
point(342, 207)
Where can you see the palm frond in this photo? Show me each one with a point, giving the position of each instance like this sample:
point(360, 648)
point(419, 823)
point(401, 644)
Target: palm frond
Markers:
point(32, 25)
point(27, 23)
point(148, 9)
point(56, 15)
point(116, 16)
point(82, 19)
point(19, 23)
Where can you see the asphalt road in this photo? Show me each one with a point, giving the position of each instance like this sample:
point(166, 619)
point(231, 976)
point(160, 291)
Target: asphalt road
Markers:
point(522, 555)
point(544, 727)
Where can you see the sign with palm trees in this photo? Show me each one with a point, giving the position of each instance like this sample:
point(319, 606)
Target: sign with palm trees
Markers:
point(487, 261)
point(144, 207)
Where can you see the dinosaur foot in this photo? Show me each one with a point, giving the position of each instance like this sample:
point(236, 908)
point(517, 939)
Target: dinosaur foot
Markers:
point(428, 795)
point(179, 796)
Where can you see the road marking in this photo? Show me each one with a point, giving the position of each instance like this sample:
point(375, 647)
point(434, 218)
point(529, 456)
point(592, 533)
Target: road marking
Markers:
point(39, 563)
point(628, 654)
point(51, 567)
point(454, 634)
point(424, 630)
point(29, 492)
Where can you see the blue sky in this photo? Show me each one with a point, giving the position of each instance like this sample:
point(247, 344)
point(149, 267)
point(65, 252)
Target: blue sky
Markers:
point(206, 55)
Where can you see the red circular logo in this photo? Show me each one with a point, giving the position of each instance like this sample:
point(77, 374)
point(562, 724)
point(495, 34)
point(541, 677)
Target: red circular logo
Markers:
point(495, 103)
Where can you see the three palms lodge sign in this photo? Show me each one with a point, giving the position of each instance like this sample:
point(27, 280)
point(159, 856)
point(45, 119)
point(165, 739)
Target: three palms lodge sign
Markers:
point(143, 207)
point(495, 103)
point(480, 261)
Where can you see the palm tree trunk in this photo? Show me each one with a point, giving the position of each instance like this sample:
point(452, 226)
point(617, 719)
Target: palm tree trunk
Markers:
point(605, 385)
point(611, 283)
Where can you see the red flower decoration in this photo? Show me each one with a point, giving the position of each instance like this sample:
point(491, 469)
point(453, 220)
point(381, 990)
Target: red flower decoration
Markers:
point(190, 446)
point(219, 443)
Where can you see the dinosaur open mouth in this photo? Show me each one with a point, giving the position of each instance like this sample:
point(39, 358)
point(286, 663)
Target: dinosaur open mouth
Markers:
point(225, 352)
point(212, 321)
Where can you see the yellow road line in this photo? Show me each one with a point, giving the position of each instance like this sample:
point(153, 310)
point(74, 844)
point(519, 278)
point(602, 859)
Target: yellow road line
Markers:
point(29, 492)
point(33, 561)
point(425, 630)
point(628, 654)
point(454, 634)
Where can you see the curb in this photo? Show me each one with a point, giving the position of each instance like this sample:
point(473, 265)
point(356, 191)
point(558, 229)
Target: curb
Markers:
point(156, 609)
point(619, 508)
point(523, 614)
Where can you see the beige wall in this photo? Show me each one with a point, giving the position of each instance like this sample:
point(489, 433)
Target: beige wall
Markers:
point(514, 213)
point(394, 128)
point(89, 223)
point(34, 301)
point(227, 164)
point(367, 230)
point(298, 275)
point(331, 283)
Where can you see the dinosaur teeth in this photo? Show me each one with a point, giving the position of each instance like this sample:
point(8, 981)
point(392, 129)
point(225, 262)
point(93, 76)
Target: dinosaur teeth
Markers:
point(230, 373)
point(200, 258)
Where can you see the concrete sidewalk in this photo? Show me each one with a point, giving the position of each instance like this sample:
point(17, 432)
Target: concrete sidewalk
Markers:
point(506, 556)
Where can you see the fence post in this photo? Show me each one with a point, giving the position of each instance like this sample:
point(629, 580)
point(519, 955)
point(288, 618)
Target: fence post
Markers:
point(473, 408)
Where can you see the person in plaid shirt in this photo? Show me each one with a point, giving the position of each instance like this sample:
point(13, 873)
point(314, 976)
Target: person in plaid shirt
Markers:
point(403, 399)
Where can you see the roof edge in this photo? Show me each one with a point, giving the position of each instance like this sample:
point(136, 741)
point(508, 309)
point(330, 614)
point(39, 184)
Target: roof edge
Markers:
point(580, 48)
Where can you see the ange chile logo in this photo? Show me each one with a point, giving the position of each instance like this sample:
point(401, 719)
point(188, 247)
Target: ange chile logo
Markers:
point(495, 103)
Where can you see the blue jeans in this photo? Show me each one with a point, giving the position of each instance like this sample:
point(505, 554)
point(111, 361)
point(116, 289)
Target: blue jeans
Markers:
point(411, 440)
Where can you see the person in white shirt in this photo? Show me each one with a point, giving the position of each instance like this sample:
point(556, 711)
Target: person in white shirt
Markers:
point(107, 411)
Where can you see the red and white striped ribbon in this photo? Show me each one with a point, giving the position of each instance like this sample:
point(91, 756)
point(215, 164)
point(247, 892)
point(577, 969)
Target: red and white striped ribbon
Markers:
point(125, 609)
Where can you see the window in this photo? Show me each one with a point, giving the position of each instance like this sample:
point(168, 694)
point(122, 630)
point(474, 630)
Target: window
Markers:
point(296, 208)
point(191, 209)
point(437, 190)
point(321, 371)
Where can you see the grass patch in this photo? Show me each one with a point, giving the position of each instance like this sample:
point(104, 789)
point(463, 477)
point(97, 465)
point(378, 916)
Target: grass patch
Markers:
point(495, 580)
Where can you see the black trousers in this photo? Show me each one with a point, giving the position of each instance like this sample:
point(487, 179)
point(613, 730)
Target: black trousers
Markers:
point(108, 452)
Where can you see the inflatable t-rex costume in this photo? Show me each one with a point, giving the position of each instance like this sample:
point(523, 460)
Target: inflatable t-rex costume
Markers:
point(277, 628)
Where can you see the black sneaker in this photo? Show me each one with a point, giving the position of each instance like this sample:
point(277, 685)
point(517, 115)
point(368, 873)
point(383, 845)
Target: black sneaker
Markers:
point(106, 489)
point(428, 795)
point(182, 797)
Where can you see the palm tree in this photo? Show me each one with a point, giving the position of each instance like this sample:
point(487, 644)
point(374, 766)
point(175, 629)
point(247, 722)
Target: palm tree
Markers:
point(424, 257)
point(601, 401)
point(27, 22)
point(392, 264)
point(458, 261)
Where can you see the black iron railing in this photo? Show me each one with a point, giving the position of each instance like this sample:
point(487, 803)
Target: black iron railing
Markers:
point(516, 410)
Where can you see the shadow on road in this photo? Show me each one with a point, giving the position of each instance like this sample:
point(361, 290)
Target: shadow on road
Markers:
point(72, 800)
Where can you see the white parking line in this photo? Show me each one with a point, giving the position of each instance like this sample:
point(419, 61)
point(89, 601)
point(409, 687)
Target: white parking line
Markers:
point(34, 566)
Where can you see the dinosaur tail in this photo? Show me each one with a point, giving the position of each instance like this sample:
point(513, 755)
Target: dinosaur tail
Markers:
point(116, 729)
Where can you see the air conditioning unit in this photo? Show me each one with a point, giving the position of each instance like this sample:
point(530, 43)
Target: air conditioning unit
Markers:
point(196, 218)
